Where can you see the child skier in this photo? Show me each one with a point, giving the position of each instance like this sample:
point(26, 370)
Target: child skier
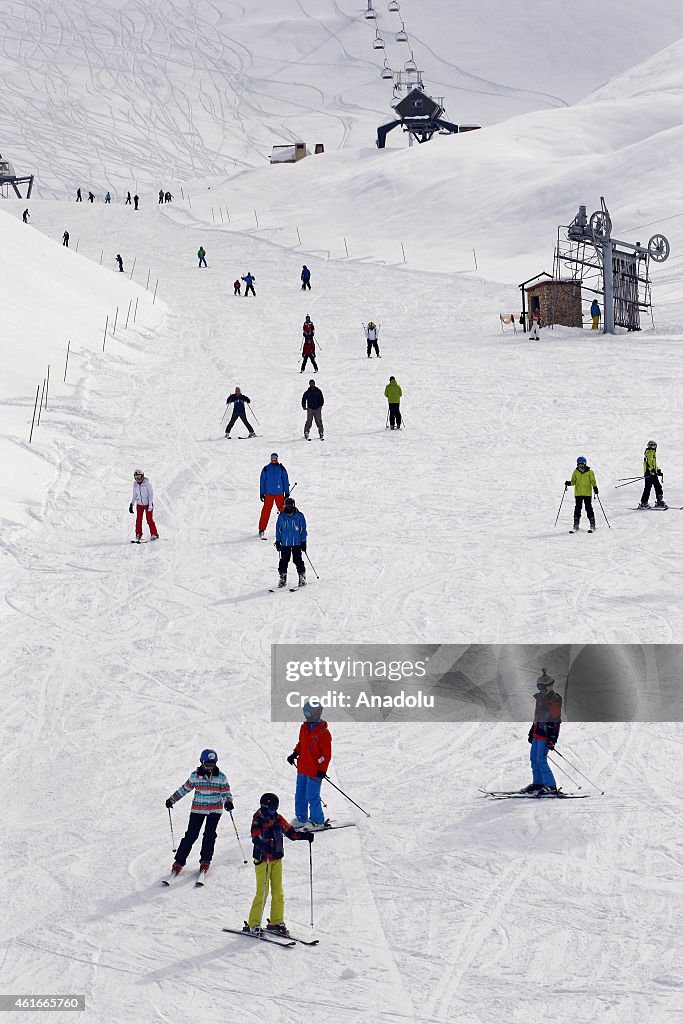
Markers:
point(651, 473)
point(312, 756)
point(290, 540)
point(237, 286)
point(543, 736)
point(143, 499)
point(583, 481)
point(211, 796)
point(267, 831)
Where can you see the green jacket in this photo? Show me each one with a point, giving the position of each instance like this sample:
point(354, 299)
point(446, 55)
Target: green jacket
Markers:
point(583, 481)
point(201, 252)
point(393, 391)
point(650, 461)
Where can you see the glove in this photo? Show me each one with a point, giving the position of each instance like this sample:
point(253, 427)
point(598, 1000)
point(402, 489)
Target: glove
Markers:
point(286, 494)
point(308, 836)
point(278, 545)
point(659, 473)
point(567, 483)
point(595, 491)
point(130, 508)
point(263, 498)
point(303, 545)
point(292, 758)
point(550, 744)
point(170, 802)
point(229, 805)
point(321, 775)
point(530, 737)
point(256, 861)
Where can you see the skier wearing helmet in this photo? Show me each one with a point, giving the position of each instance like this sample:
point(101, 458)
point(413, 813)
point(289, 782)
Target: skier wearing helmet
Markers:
point(290, 541)
point(584, 483)
point(372, 338)
point(312, 756)
point(143, 499)
point(543, 736)
point(652, 473)
point(211, 796)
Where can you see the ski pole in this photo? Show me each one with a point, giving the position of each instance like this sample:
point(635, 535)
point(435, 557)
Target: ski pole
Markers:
point(265, 892)
point(310, 871)
point(627, 482)
point(170, 821)
point(630, 478)
point(603, 511)
point(600, 791)
point(386, 425)
point(321, 800)
point(240, 841)
point(254, 415)
point(560, 508)
point(311, 565)
point(328, 779)
point(224, 415)
point(564, 771)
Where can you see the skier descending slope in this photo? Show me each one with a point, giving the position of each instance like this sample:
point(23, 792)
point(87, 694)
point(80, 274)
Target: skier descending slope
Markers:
point(583, 481)
point(651, 473)
point(372, 338)
point(543, 736)
point(143, 499)
point(290, 534)
point(312, 401)
point(211, 795)
point(274, 487)
point(237, 400)
point(312, 756)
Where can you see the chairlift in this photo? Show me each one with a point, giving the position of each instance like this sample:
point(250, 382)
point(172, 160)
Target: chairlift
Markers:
point(410, 64)
point(386, 70)
point(402, 35)
point(378, 43)
point(370, 13)
point(394, 6)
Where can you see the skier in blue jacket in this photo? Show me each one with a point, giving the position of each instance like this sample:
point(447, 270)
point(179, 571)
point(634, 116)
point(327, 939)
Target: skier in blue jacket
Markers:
point(290, 534)
point(305, 278)
point(274, 487)
point(249, 281)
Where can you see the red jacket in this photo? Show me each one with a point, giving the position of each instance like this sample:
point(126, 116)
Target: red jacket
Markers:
point(309, 347)
point(309, 328)
point(547, 718)
point(314, 748)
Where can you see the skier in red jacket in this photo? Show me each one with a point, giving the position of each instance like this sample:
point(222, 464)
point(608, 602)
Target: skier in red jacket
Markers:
point(312, 756)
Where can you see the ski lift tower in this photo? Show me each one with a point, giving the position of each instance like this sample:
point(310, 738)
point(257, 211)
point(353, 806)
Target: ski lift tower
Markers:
point(8, 176)
point(420, 116)
point(619, 271)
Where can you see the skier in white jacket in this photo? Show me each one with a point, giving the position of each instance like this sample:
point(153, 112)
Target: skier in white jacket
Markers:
point(372, 337)
point(143, 499)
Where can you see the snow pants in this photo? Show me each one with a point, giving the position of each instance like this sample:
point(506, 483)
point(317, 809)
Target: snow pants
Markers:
point(295, 552)
point(317, 415)
point(651, 480)
point(394, 415)
point(150, 520)
point(305, 285)
point(588, 502)
point(239, 416)
point(307, 796)
point(305, 360)
point(202, 261)
point(268, 877)
point(596, 321)
point(194, 827)
point(279, 500)
point(249, 288)
point(542, 774)
point(371, 345)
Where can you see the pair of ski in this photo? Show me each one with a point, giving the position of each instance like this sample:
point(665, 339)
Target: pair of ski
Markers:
point(579, 531)
point(283, 941)
point(200, 879)
point(516, 794)
point(327, 827)
point(292, 590)
point(243, 437)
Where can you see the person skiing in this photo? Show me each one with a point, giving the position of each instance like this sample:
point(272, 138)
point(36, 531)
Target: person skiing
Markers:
point(79, 197)
point(290, 540)
point(372, 337)
point(143, 499)
point(201, 253)
point(595, 314)
point(249, 281)
point(25, 216)
point(107, 197)
point(65, 239)
point(312, 400)
point(237, 401)
point(119, 260)
point(168, 198)
point(583, 481)
point(535, 317)
point(136, 200)
point(161, 195)
point(91, 197)
point(128, 199)
point(393, 393)
point(312, 756)
point(273, 487)
point(651, 474)
point(267, 831)
point(308, 352)
point(308, 328)
point(237, 286)
point(543, 736)
point(305, 278)
point(211, 796)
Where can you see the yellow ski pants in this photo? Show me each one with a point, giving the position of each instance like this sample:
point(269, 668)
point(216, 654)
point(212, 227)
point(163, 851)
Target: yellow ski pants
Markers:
point(268, 877)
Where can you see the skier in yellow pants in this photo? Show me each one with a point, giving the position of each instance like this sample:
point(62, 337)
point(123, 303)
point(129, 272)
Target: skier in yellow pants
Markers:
point(268, 829)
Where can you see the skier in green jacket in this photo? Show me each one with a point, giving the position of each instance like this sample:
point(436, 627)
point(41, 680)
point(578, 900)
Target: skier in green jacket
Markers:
point(201, 253)
point(651, 474)
point(584, 483)
point(392, 393)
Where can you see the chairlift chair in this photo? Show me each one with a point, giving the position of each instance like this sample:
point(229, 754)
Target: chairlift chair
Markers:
point(410, 64)
point(386, 70)
point(402, 35)
point(378, 43)
point(370, 13)
point(394, 6)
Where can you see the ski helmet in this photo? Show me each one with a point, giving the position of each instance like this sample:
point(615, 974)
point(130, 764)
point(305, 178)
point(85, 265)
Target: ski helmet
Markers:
point(273, 455)
point(208, 756)
point(652, 445)
point(290, 503)
point(270, 802)
point(581, 461)
point(138, 473)
point(312, 712)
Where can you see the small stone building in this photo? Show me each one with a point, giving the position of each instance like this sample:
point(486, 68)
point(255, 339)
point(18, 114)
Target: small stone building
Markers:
point(559, 302)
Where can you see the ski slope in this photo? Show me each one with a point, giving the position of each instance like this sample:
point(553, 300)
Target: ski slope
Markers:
point(120, 663)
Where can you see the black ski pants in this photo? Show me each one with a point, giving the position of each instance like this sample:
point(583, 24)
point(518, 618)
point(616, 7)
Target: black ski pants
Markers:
point(371, 345)
point(305, 285)
point(194, 827)
point(249, 288)
point(588, 502)
point(305, 360)
point(239, 416)
point(394, 415)
point(651, 480)
point(295, 553)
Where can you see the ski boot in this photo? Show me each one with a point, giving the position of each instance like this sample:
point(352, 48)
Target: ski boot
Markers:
point(262, 534)
point(252, 434)
point(302, 579)
point(644, 504)
point(138, 538)
point(592, 528)
point(155, 536)
point(547, 791)
point(278, 929)
point(282, 582)
point(176, 868)
point(661, 504)
point(256, 930)
point(533, 787)
point(204, 866)
point(305, 437)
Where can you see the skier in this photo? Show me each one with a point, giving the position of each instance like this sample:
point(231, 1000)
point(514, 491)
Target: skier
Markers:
point(119, 260)
point(136, 200)
point(107, 197)
point(25, 216)
point(267, 831)
point(237, 286)
point(312, 756)
point(312, 400)
point(651, 474)
point(290, 540)
point(543, 736)
point(168, 198)
point(249, 281)
point(274, 487)
point(65, 239)
point(305, 278)
point(595, 314)
point(535, 325)
point(91, 197)
point(372, 337)
point(583, 481)
point(128, 199)
point(237, 401)
point(392, 393)
point(143, 499)
point(308, 328)
point(201, 253)
point(211, 796)
point(79, 197)
point(161, 195)
point(308, 352)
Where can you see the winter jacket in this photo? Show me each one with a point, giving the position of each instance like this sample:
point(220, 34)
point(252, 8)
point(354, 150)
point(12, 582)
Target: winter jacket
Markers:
point(238, 401)
point(290, 529)
point(583, 481)
point(267, 832)
point(305, 274)
point(249, 279)
point(312, 398)
point(274, 480)
point(201, 252)
point(309, 347)
point(314, 748)
point(595, 308)
point(142, 493)
point(393, 391)
point(547, 717)
point(308, 328)
point(211, 790)
point(372, 333)
point(650, 461)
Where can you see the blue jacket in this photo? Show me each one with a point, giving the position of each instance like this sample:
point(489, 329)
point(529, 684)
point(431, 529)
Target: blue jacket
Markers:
point(238, 401)
point(249, 279)
point(274, 480)
point(290, 529)
point(595, 308)
point(305, 274)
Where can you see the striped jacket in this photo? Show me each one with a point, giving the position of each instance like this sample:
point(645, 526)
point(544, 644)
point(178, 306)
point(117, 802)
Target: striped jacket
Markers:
point(211, 790)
